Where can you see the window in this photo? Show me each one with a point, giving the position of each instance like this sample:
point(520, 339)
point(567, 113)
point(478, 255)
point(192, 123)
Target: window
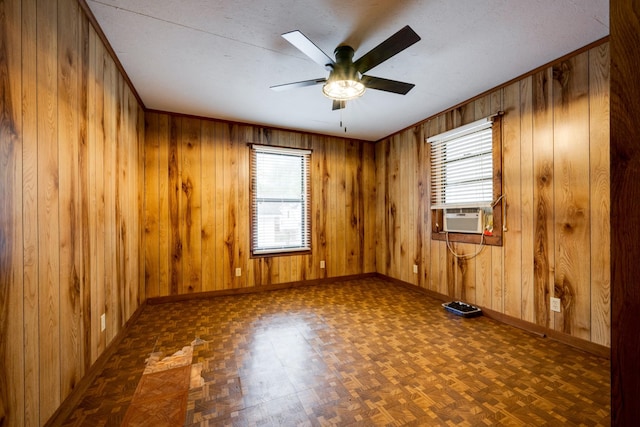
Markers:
point(465, 183)
point(462, 167)
point(280, 202)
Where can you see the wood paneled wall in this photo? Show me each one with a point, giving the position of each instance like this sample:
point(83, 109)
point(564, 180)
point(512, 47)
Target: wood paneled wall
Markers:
point(70, 204)
point(625, 217)
point(196, 209)
point(556, 181)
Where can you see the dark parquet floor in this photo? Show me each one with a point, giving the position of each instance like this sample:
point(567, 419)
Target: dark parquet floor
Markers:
point(353, 353)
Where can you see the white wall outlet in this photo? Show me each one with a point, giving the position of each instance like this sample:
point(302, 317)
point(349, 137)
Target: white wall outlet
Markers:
point(322, 264)
point(103, 322)
point(415, 268)
point(555, 304)
point(238, 272)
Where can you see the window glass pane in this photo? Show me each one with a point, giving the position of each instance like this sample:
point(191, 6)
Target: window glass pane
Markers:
point(461, 193)
point(279, 224)
point(469, 180)
point(279, 176)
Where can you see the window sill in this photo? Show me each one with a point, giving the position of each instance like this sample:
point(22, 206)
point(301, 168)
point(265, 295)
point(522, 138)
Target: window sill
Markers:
point(279, 254)
point(468, 238)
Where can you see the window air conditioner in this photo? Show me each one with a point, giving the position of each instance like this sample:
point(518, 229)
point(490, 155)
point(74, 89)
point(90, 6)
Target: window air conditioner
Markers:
point(464, 220)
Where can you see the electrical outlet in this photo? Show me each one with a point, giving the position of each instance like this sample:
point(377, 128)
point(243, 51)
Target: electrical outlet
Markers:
point(555, 304)
point(322, 264)
point(103, 322)
point(415, 268)
point(238, 272)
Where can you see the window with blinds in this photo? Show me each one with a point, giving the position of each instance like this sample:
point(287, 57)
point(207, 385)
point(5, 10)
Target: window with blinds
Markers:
point(280, 200)
point(462, 167)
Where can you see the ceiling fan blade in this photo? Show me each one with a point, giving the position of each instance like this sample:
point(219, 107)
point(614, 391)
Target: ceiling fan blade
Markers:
point(386, 85)
point(338, 105)
point(309, 48)
point(388, 48)
point(303, 83)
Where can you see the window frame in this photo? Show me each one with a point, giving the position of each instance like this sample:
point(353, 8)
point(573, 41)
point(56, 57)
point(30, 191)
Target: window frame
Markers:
point(495, 239)
point(306, 201)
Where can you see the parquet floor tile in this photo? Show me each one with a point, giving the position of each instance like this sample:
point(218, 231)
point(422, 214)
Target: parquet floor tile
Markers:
point(353, 353)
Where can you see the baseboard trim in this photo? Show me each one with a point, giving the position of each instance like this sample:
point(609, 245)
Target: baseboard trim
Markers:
point(255, 289)
point(76, 395)
point(580, 344)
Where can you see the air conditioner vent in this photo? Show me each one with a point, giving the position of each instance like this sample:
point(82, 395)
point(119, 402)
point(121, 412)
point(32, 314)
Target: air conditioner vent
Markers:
point(464, 220)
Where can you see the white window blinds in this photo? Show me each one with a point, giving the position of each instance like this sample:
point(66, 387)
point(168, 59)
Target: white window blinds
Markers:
point(462, 166)
point(280, 200)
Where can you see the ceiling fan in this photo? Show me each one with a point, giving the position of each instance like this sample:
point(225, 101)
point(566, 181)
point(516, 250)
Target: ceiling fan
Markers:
point(346, 79)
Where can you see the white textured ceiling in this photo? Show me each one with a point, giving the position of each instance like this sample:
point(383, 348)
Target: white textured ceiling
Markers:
point(218, 58)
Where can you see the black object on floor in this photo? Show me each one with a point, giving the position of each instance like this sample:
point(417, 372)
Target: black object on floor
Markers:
point(462, 309)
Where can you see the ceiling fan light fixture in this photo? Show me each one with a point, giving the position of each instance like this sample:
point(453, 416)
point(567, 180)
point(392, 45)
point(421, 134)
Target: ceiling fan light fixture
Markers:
point(344, 82)
point(343, 90)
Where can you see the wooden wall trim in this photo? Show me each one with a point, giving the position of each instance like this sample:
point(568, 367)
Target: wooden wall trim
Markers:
point(258, 125)
point(255, 289)
point(589, 347)
point(625, 219)
point(580, 344)
point(73, 399)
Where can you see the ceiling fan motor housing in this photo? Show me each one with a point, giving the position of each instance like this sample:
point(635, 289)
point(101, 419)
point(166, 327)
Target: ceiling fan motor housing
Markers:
point(344, 82)
point(343, 68)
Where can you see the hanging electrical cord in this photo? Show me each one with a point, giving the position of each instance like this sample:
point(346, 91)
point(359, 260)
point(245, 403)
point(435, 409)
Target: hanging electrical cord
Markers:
point(502, 198)
point(504, 210)
point(464, 256)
